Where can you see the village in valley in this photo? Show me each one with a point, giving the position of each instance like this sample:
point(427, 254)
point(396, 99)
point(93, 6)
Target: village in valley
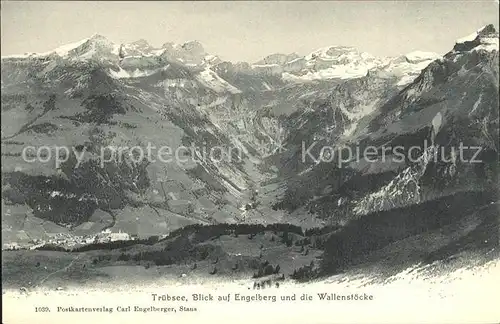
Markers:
point(69, 241)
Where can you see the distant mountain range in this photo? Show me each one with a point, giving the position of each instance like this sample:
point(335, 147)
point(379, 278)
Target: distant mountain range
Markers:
point(334, 62)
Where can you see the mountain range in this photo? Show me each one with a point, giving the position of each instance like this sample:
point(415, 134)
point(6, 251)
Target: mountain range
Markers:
point(96, 94)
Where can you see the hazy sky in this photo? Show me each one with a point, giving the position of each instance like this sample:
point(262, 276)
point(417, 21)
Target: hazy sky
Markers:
point(248, 31)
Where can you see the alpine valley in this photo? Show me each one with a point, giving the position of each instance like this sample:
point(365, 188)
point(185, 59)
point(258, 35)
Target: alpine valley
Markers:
point(277, 207)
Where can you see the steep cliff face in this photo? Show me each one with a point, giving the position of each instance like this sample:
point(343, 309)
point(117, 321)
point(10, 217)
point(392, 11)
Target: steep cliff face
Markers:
point(456, 101)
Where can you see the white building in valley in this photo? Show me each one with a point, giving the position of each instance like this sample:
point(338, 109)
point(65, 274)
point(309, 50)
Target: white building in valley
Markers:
point(108, 236)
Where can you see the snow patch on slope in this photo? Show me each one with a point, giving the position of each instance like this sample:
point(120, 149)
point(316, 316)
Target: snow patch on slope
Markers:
point(468, 38)
point(334, 72)
point(137, 73)
point(211, 80)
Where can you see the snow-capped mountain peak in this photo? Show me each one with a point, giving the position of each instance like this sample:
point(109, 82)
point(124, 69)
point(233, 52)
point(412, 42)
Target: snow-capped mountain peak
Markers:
point(343, 62)
point(406, 67)
point(137, 48)
point(66, 49)
point(96, 45)
point(332, 52)
point(485, 38)
point(190, 53)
